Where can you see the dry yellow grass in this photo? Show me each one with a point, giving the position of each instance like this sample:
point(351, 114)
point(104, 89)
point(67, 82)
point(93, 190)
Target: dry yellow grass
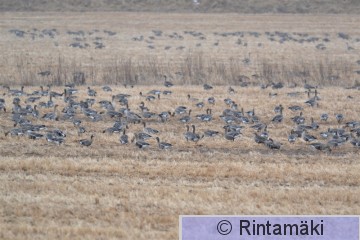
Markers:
point(110, 191)
point(23, 58)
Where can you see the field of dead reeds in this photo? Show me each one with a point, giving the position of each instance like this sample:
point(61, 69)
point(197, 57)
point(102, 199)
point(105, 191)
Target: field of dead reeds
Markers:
point(111, 191)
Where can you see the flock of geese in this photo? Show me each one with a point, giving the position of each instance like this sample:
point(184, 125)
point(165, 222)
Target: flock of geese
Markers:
point(25, 108)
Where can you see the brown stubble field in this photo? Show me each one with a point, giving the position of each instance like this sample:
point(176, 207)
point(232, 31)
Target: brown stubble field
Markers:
point(112, 191)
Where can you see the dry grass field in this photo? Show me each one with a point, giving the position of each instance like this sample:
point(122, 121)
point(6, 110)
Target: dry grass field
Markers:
point(137, 48)
point(114, 191)
point(110, 190)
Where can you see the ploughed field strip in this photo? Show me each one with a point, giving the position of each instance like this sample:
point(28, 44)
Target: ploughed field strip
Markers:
point(261, 118)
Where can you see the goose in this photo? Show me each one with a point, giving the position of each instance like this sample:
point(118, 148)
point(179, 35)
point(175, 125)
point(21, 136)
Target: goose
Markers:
point(124, 139)
point(2, 103)
point(278, 109)
point(298, 119)
point(81, 130)
point(139, 142)
point(258, 127)
point(55, 94)
point(200, 104)
point(356, 131)
point(292, 137)
point(149, 130)
point(167, 83)
point(106, 89)
point(53, 139)
point(316, 97)
point(59, 133)
point(295, 108)
point(112, 130)
point(192, 99)
point(278, 118)
point(15, 132)
point(308, 86)
point(339, 117)
point(164, 116)
point(307, 137)
point(151, 98)
point(311, 102)
point(16, 101)
point(320, 146)
point(211, 133)
point(143, 108)
point(324, 117)
point(298, 131)
point(324, 135)
point(205, 117)
point(352, 124)
point(122, 98)
point(207, 86)
point(245, 120)
point(259, 139)
point(211, 100)
point(38, 92)
point(15, 92)
point(180, 110)
point(113, 114)
point(336, 131)
point(188, 134)
point(335, 142)
point(265, 133)
point(355, 142)
point(90, 101)
point(154, 92)
point(231, 135)
point(277, 85)
point(34, 135)
point(70, 91)
point(233, 128)
point(192, 136)
point(132, 117)
point(293, 94)
point(35, 112)
point(231, 90)
point(314, 125)
point(167, 92)
point(187, 118)
point(76, 122)
point(142, 136)
point(272, 95)
point(264, 86)
point(32, 99)
point(228, 119)
point(70, 85)
point(51, 116)
point(86, 142)
point(272, 145)
point(251, 113)
point(254, 118)
point(163, 145)
point(148, 114)
point(228, 101)
point(234, 106)
point(17, 109)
